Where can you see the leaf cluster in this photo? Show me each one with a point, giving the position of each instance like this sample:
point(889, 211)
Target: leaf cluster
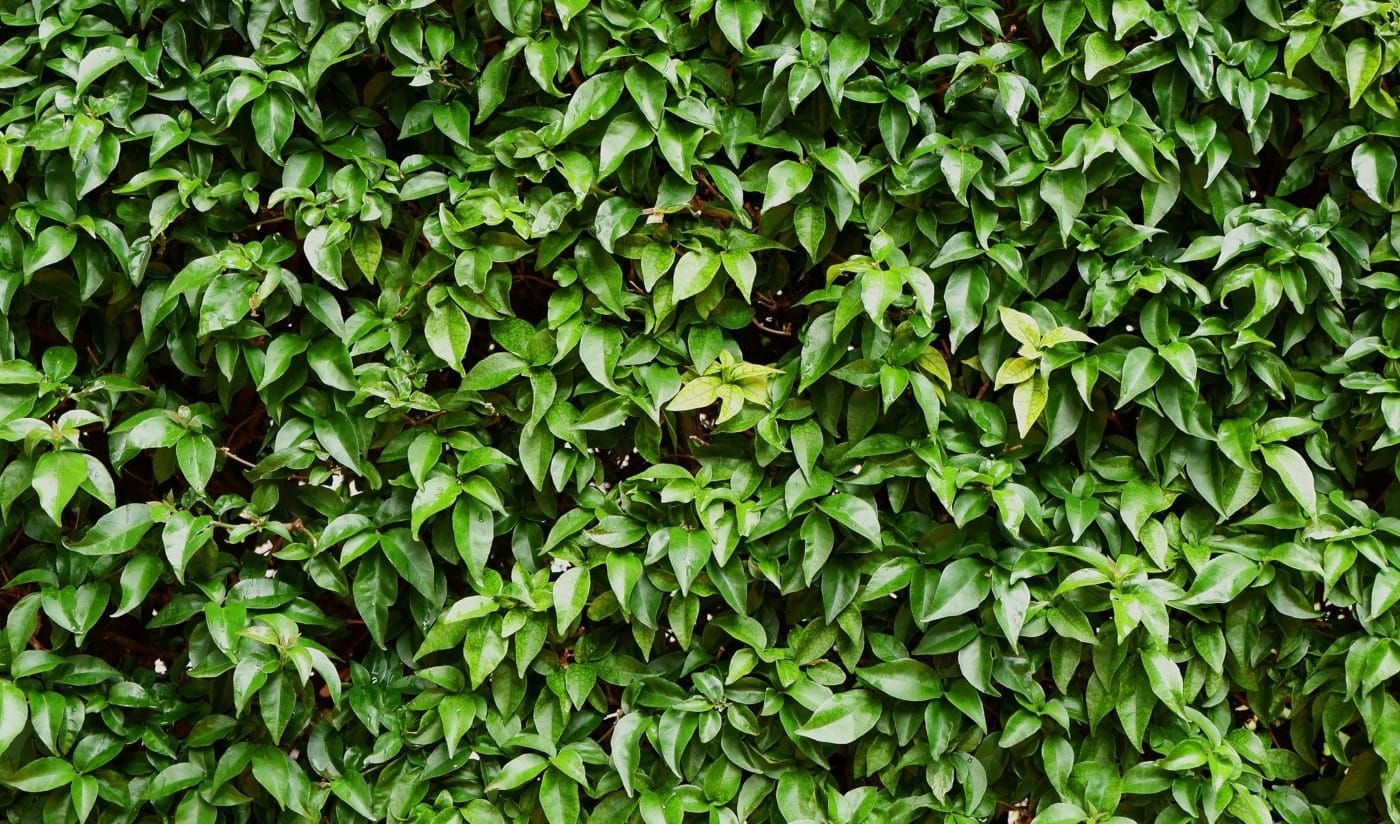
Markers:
point(720, 411)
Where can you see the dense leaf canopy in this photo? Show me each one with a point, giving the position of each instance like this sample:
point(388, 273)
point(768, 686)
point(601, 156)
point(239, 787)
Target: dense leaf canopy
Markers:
point(718, 411)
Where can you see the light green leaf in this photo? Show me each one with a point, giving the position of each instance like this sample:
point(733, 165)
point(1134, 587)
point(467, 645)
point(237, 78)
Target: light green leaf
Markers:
point(1029, 401)
point(697, 394)
point(1020, 326)
point(1014, 371)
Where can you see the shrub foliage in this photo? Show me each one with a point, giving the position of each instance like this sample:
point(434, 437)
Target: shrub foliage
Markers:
point(729, 410)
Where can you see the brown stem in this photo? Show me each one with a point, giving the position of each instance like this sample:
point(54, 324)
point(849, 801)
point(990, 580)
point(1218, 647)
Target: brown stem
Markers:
point(231, 455)
point(771, 330)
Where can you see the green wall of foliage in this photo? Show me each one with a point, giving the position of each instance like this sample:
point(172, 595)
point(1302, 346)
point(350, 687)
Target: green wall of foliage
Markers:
point(714, 411)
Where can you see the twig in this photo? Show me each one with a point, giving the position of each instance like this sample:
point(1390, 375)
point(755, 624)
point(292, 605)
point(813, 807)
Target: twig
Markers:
point(771, 330)
point(231, 455)
point(428, 417)
point(535, 279)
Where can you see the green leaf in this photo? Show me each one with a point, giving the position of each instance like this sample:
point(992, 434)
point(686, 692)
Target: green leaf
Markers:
point(138, 577)
point(518, 771)
point(1065, 192)
point(273, 119)
point(1294, 472)
point(184, 535)
point(1236, 439)
point(855, 514)
point(962, 587)
point(40, 775)
point(1061, 813)
point(351, 787)
point(448, 334)
point(281, 353)
point(330, 48)
point(960, 169)
point(965, 295)
point(1100, 54)
point(436, 494)
point(280, 776)
point(1061, 19)
point(1373, 163)
point(324, 251)
point(626, 747)
point(410, 557)
point(694, 272)
point(1165, 678)
point(786, 179)
point(96, 63)
point(14, 712)
point(843, 718)
point(1142, 368)
point(626, 134)
point(559, 798)
point(742, 269)
point(53, 244)
point(594, 98)
point(57, 476)
point(738, 20)
point(570, 597)
point(494, 371)
point(195, 455)
point(173, 779)
point(1363, 62)
point(846, 53)
point(76, 609)
point(1221, 579)
point(907, 680)
point(687, 550)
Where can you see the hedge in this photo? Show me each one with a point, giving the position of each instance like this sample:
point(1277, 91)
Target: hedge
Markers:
point(717, 411)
